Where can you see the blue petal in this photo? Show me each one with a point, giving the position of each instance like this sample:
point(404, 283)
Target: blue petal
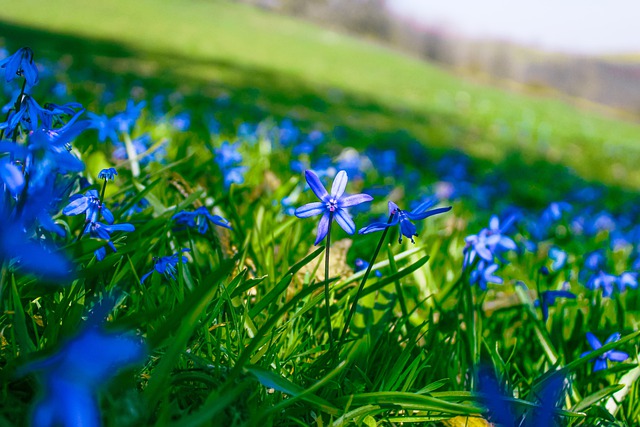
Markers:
point(354, 199)
point(143, 278)
point(339, 185)
point(315, 185)
point(12, 176)
point(617, 356)
point(310, 209)
point(323, 228)
point(613, 338)
point(422, 207)
point(425, 214)
point(344, 220)
point(600, 364)
point(593, 341)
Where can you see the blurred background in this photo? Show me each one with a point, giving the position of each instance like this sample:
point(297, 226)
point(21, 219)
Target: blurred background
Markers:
point(586, 50)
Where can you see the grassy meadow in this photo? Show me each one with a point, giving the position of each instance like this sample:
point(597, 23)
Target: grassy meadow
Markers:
point(184, 288)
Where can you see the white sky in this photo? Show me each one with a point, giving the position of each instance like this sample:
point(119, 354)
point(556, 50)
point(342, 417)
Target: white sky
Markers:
point(587, 26)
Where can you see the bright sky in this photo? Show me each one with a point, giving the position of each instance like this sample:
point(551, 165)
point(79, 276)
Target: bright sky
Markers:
point(581, 26)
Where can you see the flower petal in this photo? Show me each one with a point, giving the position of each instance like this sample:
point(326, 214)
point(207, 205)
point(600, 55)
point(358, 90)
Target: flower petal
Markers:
point(323, 228)
point(376, 226)
point(422, 207)
point(617, 356)
point(344, 220)
point(593, 341)
point(613, 338)
point(339, 184)
point(425, 214)
point(354, 199)
point(315, 185)
point(310, 209)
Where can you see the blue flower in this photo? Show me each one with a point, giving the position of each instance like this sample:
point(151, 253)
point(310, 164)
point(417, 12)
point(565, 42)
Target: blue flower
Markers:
point(612, 355)
point(105, 126)
point(404, 218)
point(502, 412)
point(627, 279)
point(548, 298)
point(52, 113)
point(332, 206)
point(125, 120)
point(559, 258)
point(483, 274)
point(167, 265)
point(29, 116)
point(20, 64)
point(489, 243)
point(200, 218)
point(228, 159)
point(72, 376)
point(363, 265)
point(89, 204)
point(604, 281)
point(102, 231)
point(108, 174)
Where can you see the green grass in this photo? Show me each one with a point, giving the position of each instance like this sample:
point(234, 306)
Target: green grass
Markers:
point(321, 76)
point(239, 338)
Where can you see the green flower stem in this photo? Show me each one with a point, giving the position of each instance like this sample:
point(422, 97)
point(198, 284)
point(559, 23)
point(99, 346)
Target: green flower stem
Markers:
point(372, 261)
point(326, 281)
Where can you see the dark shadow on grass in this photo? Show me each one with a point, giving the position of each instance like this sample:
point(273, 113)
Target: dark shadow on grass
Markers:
point(255, 94)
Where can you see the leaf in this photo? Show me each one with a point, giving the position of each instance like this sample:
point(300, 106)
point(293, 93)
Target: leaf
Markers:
point(275, 381)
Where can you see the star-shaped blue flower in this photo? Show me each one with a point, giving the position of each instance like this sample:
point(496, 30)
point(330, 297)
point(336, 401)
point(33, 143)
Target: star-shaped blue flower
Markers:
point(612, 355)
point(404, 218)
point(332, 205)
point(20, 64)
point(167, 265)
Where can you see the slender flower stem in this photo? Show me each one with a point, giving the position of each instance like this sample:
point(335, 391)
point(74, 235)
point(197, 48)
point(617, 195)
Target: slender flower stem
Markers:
point(326, 281)
point(104, 188)
point(372, 261)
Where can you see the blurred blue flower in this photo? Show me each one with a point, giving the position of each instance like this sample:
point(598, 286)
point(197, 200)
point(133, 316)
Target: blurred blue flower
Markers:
point(483, 274)
point(604, 281)
point(489, 243)
point(52, 113)
point(200, 218)
point(29, 116)
point(501, 411)
point(228, 159)
point(404, 218)
point(103, 231)
point(72, 377)
point(182, 121)
point(309, 144)
point(612, 355)
point(20, 64)
point(559, 258)
point(167, 265)
point(11, 176)
point(105, 126)
point(288, 133)
point(627, 279)
point(548, 298)
point(363, 265)
point(125, 120)
point(332, 206)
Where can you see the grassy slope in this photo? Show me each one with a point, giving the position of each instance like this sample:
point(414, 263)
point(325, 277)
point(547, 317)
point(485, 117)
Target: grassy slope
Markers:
point(379, 90)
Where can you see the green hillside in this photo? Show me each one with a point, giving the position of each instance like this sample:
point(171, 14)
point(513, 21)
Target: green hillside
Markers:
point(321, 76)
